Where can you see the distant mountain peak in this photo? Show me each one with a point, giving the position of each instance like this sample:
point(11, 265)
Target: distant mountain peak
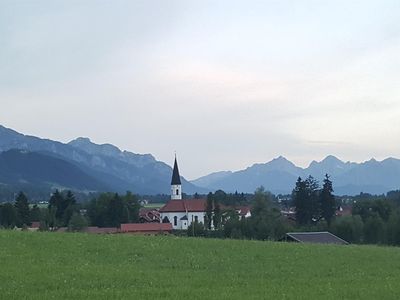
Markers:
point(82, 140)
point(281, 161)
point(331, 158)
point(88, 146)
point(281, 158)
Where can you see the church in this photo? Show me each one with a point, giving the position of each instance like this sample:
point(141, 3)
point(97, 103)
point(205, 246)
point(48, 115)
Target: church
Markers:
point(181, 212)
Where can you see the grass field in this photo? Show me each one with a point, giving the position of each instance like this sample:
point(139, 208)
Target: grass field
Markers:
point(81, 266)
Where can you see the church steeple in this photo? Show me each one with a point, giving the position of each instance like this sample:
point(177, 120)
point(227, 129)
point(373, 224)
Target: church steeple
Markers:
point(176, 186)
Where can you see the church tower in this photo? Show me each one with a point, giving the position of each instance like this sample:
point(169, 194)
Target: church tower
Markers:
point(176, 186)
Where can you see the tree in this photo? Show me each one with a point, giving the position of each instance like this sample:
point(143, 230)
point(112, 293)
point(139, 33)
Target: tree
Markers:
point(117, 211)
point(35, 214)
point(393, 228)
point(349, 228)
point(133, 207)
point(195, 229)
point(22, 210)
point(371, 208)
point(48, 220)
point(69, 207)
point(217, 215)
point(110, 210)
point(8, 215)
point(63, 206)
point(374, 230)
point(264, 217)
point(209, 211)
point(313, 198)
point(77, 222)
point(306, 201)
point(327, 200)
point(300, 201)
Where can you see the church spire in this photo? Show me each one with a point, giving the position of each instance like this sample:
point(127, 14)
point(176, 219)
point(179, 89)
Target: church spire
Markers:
point(176, 186)
point(176, 179)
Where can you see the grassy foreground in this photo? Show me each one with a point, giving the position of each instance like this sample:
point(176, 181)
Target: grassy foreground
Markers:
point(81, 266)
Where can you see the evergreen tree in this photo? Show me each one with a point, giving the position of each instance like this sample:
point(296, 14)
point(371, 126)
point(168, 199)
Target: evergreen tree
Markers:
point(300, 202)
point(22, 210)
point(8, 215)
point(306, 201)
point(327, 200)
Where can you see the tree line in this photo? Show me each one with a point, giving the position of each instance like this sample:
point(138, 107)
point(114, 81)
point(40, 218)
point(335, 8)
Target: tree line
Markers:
point(106, 210)
point(373, 219)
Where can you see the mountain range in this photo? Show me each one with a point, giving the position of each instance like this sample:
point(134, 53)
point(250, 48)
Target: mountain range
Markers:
point(279, 176)
point(91, 167)
point(28, 161)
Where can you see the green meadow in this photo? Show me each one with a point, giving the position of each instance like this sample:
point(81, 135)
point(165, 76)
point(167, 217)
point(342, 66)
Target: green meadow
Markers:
point(82, 266)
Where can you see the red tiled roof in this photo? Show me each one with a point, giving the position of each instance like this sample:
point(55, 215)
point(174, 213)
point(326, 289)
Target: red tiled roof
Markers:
point(243, 210)
point(195, 205)
point(146, 227)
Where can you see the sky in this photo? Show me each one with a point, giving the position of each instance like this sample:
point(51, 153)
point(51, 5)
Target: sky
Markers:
point(225, 84)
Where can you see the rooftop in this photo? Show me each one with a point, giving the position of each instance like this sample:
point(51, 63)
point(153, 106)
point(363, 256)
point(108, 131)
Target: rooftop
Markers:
point(315, 237)
point(194, 205)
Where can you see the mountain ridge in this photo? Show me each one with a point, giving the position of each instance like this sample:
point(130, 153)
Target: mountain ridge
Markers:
point(124, 170)
point(279, 176)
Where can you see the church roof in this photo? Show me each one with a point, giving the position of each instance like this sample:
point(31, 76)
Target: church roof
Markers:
point(195, 205)
point(176, 179)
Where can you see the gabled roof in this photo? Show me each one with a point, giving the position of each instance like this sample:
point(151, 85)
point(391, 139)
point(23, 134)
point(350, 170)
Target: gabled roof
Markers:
point(316, 237)
point(176, 179)
point(195, 205)
point(243, 210)
point(184, 218)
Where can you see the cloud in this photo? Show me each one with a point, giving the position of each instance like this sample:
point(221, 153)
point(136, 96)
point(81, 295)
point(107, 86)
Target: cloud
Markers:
point(230, 83)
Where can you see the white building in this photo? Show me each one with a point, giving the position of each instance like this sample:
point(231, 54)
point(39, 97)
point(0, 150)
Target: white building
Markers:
point(181, 212)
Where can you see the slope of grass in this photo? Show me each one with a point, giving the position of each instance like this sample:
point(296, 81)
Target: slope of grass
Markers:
point(80, 266)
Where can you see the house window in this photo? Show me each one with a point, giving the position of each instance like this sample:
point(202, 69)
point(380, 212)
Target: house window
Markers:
point(196, 219)
point(175, 221)
point(177, 192)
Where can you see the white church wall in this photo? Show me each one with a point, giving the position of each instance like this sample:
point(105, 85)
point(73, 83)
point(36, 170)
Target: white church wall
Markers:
point(183, 224)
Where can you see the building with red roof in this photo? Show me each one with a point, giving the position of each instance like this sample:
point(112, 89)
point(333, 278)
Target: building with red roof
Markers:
point(178, 212)
point(181, 213)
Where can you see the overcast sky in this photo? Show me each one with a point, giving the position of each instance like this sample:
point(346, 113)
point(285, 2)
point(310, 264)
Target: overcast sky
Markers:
point(224, 83)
